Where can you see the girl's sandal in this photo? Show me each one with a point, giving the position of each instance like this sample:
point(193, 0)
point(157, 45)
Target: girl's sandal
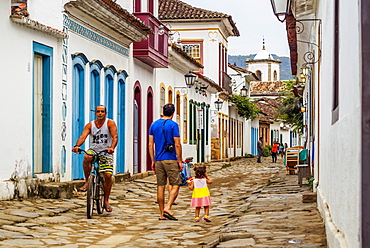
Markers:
point(206, 218)
point(197, 219)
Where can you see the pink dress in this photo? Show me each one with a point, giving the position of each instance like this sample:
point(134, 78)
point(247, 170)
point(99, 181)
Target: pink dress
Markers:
point(201, 196)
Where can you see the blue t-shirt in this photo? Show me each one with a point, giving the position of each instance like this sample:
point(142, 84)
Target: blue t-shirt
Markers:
point(159, 129)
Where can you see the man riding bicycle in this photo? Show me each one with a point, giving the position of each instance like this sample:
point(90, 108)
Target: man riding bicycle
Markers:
point(103, 136)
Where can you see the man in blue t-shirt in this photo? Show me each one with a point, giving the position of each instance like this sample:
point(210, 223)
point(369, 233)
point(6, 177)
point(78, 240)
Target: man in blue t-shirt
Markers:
point(164, 139)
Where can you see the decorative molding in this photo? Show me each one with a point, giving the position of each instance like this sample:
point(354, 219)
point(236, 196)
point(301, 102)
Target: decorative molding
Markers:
point(38, 26)
point(213, 35)
point(64, 131)
point(95, 37)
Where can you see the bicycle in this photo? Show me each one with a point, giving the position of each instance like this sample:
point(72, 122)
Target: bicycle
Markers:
point(95, 190)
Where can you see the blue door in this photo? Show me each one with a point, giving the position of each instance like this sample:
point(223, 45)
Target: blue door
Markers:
point(42, 109)
point(121, 124)
point(78, 111)
point(95, 92)
point(109, 96)
point(95, 71)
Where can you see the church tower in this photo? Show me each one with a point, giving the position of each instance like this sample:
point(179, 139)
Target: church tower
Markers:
point(264, 65)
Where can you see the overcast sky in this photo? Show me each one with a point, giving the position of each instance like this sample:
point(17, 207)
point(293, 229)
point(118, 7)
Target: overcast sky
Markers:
point(254, 19)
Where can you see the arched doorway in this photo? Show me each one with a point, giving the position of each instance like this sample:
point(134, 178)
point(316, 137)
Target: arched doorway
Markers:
point(78, 109)
point(149, 118)
point(121, 121)
point(137, 128)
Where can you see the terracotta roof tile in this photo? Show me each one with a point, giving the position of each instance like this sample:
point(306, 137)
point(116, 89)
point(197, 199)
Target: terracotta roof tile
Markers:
point(20, 10)
point(268, 108)
point(238, 68)
point(176, 9)
point(267, 88)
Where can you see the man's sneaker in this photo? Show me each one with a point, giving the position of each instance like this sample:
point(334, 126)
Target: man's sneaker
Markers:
point(197, 219)
point(206, 218)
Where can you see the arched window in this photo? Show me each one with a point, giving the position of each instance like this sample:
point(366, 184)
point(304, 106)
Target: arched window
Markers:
point(170, 95)
point(259, 75)
point(162, 99)
point(275, 76)
point(95, 70)
point(109, 90)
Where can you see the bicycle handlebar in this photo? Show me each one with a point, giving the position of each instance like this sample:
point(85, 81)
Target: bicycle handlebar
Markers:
point(97, 153)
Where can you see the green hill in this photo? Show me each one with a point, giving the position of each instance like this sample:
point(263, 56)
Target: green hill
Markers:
point(285, 71)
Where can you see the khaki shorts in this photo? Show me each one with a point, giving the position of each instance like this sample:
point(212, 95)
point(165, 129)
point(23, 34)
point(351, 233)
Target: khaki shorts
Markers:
point(167, 169)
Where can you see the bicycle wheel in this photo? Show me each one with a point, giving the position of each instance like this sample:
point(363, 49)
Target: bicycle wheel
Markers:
point(99, 197)
point(90, 196)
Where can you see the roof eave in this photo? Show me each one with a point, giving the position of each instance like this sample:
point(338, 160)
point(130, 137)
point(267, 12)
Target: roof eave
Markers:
point(105, 13)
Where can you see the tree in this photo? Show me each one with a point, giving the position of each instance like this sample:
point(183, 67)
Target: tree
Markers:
point(289, 111)
point(245, 107)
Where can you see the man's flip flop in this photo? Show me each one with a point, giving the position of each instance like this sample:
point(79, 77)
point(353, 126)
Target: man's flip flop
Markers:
point(108, 209)
point(83, 189)
point(169, 216)
point(162, 219)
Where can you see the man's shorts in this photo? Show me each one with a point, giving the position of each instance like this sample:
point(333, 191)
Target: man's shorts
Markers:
point(105, 162)
point(167, 169)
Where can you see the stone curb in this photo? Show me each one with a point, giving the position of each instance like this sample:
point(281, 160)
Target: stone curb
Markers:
point(57, 190)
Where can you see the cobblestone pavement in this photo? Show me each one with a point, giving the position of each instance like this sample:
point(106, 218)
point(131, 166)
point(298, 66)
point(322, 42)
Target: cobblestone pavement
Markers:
point(253, 205)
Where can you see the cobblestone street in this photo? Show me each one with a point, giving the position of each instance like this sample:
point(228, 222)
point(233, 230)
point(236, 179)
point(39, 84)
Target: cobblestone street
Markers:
point(253, 205)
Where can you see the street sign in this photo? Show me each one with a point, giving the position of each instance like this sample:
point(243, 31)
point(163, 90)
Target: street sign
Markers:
point(200, 124)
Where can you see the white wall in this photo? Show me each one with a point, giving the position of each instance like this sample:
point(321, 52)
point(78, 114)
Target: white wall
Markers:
point(211, 39)
point(92, 51)
point(339, 158)
point(17, 77)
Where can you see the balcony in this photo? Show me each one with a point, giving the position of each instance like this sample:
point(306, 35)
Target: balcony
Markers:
point(226, 82)
point(154, 50)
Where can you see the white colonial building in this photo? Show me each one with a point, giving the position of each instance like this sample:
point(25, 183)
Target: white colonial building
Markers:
point(330, 40)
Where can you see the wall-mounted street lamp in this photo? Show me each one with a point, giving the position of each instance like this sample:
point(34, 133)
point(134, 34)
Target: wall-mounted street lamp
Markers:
point(305, 70)
point(244, 92)
point(303, 78)
point(281, 8)
point(303, 109)
point(190, 79)
point(218, 104)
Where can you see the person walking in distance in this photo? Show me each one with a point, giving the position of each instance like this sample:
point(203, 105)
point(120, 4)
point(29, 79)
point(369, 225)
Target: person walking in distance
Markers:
point(274, 151)
point(281, 150)
point(259, 149)
point(166, 154)
point(201, 196)
point(103, 136)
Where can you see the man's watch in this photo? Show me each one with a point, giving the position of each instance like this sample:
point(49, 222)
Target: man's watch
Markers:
point(76, 146)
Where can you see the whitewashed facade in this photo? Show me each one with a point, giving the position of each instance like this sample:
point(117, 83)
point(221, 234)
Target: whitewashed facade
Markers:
point(69, 67)
point(209, 40)
point(337, 133)
point(66, 57)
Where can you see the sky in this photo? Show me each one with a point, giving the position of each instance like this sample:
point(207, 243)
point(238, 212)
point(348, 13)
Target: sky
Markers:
point(254, 20)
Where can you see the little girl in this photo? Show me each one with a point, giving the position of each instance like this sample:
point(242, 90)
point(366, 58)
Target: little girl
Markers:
point(201, 197)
